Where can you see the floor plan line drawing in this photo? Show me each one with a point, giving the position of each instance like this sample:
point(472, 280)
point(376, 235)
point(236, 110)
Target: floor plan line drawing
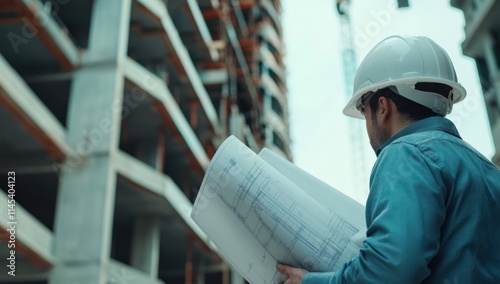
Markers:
point(278, 218)
point(268, 211)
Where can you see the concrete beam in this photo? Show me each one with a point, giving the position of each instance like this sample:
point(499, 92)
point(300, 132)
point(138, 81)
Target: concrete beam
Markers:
point(214, 76)
point(202, 29)
point(146, 178)
point(270, 85)
point(55, 39)
point(158, 10)
point(268, 58)
point(274, 121)
point(84, 215)
point(139, 174)
point(168, 108)
point(32, 238)
point(272, 12)
point(20, 100)
point(267, 31)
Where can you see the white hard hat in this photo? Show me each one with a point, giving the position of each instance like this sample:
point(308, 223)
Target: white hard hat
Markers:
point(404, 61)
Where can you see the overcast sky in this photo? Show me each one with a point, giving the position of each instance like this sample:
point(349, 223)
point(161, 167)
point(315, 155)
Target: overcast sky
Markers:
point(319, 131)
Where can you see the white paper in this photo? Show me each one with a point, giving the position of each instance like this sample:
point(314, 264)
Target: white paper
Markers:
point(257, 216)
point(331, 198)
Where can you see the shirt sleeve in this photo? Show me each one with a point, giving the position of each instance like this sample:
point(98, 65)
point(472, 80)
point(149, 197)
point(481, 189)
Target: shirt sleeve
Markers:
point(404, 212)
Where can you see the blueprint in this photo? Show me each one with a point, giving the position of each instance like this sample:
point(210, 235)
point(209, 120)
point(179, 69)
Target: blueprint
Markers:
point(261, 209)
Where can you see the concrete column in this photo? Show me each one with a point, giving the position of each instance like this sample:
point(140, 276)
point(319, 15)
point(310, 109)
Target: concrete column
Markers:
point(236, 122)
point(489, 54)
point(200, 279)
point(188, 266)
point(152, 151)
point(225, 274)
point(146, 246)
point(266, 108)
point(145, 254)
point(84, 216)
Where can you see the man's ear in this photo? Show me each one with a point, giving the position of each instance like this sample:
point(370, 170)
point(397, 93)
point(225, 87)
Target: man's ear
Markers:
point(385, 108)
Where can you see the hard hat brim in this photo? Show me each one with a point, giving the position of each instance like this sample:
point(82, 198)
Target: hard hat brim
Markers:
point(350, 110)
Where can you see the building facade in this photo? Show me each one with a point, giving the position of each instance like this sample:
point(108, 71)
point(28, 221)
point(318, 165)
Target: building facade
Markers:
point(110, 111)
point(482, 42)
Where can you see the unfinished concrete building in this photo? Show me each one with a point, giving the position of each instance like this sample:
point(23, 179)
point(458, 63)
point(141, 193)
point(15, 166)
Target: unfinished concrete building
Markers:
point(110, 111)
point(482, 42)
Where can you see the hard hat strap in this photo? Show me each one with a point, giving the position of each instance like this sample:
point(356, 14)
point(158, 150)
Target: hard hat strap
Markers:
point(436, 102)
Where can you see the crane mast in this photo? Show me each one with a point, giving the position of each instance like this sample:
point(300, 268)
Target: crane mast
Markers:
point(356, 128)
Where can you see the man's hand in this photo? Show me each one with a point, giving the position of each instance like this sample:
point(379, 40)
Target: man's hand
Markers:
point(293, 275)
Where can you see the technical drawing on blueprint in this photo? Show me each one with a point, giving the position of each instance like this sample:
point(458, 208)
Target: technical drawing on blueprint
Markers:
point(261, 209)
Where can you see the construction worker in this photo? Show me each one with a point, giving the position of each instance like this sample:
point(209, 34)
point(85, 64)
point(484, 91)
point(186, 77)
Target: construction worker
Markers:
point(434, 204)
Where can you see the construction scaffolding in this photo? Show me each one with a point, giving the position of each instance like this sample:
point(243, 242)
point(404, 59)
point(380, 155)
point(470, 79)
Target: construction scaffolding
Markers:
point(110, 111)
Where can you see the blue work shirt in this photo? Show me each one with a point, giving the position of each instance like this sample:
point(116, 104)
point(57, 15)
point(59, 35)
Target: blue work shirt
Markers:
point(433, 213)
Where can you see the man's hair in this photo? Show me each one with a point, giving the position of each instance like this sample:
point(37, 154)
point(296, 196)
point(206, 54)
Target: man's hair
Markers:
point(409, 109)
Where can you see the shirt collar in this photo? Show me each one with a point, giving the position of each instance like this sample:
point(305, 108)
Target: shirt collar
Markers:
point(431, 123)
